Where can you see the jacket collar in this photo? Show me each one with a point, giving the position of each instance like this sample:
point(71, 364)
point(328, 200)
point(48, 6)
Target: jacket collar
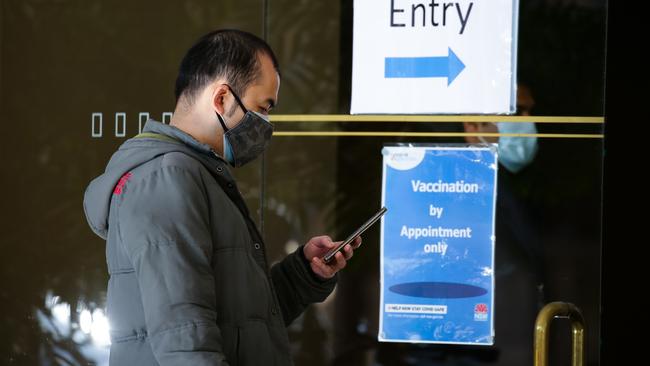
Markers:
point(205, 153)
point(154, 126)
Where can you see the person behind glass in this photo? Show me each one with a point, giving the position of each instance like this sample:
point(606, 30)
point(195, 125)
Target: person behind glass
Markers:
point(514, 155)
point(189, 281)
point(519, 273)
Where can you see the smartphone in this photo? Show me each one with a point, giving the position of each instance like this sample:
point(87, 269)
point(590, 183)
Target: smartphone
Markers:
point(330, 255)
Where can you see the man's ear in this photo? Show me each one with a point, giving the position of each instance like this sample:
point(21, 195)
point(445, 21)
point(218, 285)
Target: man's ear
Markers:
point(219, 93)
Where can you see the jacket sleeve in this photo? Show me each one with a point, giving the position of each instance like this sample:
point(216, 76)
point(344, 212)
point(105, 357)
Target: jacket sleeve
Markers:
point(297, 285)
point(163, 226)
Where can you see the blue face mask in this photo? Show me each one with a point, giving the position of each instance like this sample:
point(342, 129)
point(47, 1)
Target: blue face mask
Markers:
point(516, 152)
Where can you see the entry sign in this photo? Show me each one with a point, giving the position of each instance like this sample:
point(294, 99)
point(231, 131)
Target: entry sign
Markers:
point(437, 244)
point(434, 56)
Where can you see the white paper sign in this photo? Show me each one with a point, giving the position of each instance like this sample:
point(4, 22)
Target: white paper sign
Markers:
point(434, 56)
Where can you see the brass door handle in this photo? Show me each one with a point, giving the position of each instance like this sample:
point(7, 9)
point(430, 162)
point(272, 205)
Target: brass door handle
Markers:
point(542, 325)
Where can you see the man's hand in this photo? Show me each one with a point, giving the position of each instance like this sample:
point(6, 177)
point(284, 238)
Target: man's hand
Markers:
point(318, 246)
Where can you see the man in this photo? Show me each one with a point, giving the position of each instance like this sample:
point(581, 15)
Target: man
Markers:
point(519, 271)
point(515, 153)
point(189, 282)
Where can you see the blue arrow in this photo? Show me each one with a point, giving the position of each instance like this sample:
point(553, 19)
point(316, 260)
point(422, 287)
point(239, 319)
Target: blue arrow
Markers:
point(424, 67)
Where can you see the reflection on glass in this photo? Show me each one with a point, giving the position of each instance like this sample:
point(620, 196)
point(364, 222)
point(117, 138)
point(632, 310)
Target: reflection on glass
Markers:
point(73, 338)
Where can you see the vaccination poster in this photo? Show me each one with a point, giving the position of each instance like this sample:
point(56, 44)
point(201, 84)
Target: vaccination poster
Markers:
point(437, 244)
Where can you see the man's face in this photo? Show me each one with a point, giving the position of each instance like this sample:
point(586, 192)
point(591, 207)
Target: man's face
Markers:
point(261, 96)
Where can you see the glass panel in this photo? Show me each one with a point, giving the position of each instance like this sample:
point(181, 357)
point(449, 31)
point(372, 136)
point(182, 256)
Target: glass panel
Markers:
point(77, 76)
point(548, 215)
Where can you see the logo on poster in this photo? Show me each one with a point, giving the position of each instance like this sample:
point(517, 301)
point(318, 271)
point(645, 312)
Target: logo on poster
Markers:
point(481, 312)
point(403, 157)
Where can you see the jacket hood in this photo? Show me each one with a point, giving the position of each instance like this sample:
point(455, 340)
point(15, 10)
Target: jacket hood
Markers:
point(131, 154)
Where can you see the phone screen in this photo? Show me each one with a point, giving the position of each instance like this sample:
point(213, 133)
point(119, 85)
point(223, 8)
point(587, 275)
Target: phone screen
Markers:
point(330, 255)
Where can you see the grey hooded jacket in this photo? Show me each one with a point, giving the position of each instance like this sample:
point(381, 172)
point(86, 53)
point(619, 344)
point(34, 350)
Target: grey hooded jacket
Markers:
point(189, 280)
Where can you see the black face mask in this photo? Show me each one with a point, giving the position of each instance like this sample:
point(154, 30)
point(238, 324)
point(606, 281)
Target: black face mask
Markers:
point(248, 139)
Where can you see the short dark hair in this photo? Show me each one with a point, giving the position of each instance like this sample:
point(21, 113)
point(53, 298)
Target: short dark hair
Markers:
point(228, 53)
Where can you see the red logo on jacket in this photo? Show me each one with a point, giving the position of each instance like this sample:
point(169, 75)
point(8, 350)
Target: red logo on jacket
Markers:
point(120, 185)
